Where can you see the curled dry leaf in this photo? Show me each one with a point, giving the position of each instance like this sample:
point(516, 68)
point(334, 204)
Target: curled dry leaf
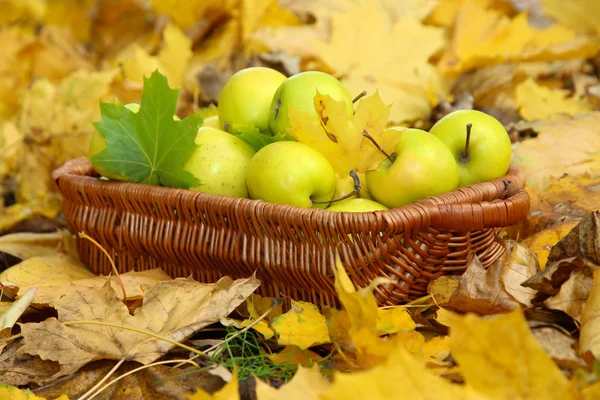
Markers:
point(520, 265)
point(12, 315)
point(481, 291)
point(559, 346)
point(173, 309)
point(566, 282)
point(589, 338)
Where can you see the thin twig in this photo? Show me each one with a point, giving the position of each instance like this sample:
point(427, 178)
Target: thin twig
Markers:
point(104, 379)
point(133, 371)
point(83, 235)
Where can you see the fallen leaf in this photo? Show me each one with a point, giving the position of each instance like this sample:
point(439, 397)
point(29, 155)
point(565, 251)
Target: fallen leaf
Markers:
point(558, 346)
point(151, 382)
point(481, 291)
point(23, 369)
point(577, 14)
point(28, 245)
point(356, 50)
point(539, 102)
point(520, 264)
point(9, 317)
point(554, 151)
point(51, 270)
point(13, 393)
point(307, 384)
point(499, 357)
point(303, 326)
point(483, 36)
point(174, 309)
point(135, 282)
point(582, 241)
point(228, 392)
point(589, 338)
point(442, 288)
point(542, 242)
point(400, 373)
point(295, 355)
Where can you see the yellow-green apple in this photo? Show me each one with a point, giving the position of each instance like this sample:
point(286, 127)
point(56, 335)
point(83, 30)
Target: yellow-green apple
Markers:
point(298, 91)
point(220, 163)
point(420, 166)
point(246, 98)
point(212, 122)
point(356, 205)
point(98, 143)
point(291, 173)
point(479, 143)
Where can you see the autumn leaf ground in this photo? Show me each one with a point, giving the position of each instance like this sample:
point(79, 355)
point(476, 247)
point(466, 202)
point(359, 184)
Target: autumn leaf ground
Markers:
point(524, 328)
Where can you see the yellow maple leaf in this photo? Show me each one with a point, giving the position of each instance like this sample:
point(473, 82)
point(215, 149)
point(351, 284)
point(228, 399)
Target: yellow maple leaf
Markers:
point(14, 393)
point(340, 138)
point(564, 144)
point(485, 36)
point(307, 384)
point(401, 375)
point(361, 308)
point(366, 46)
point(539, 102)
point(71, 14)
point(303, 326)
point(56, 120)
point(228, 392)
point(577, 14)
point(172, 60)
point(188, 13)
point(500, 357)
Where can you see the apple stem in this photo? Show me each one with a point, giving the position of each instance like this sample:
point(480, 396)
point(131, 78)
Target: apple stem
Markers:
point(372, 139)
point(465, 154)
point(356, 190)
point(360, 96)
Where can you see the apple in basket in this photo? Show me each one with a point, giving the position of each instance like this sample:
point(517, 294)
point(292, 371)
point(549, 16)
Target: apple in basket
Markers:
point(220, 162)
point(245, 100)
point(291, 173)
point(420, 166)
point(479, 143)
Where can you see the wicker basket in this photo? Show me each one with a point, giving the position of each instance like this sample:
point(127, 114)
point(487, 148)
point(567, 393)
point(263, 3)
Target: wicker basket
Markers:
point(292, 250)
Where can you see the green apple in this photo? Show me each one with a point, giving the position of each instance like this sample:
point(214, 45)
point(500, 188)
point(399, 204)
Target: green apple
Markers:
point(246, 98)
point(212, 122)
point(482, 154)
point(420, 166)
point(98, 143)
point(291, 173)
point(220, 162)
point(356, 205)
point(299, 91)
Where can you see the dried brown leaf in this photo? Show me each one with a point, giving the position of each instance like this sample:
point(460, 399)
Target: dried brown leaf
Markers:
point(174, 309)
point(520, 265)
point(481, 291)
point(559, 346)
point(27, 245)
point(582, 241)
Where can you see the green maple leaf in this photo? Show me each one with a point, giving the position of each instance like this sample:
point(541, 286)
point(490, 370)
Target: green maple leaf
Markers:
point(254, 137)
point(148, 146)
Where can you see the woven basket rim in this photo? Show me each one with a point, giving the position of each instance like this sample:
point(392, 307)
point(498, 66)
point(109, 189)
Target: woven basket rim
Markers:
point(511, 185)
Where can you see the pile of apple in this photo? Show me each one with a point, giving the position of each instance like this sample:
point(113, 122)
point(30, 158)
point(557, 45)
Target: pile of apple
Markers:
point(463, 148)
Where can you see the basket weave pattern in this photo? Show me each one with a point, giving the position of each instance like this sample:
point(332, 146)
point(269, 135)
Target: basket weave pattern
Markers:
point(292, 250)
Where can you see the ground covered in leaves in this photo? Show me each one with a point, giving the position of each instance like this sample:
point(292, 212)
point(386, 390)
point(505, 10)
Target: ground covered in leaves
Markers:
point(527, 327)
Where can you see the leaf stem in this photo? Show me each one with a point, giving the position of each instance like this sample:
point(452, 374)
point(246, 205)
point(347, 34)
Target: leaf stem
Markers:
point(129, 328)
point(465, 154)
point(133, 371)
point(372, 140)
point(104, 379)
point(359, 96)
point(83, 235)
point(356, 190)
